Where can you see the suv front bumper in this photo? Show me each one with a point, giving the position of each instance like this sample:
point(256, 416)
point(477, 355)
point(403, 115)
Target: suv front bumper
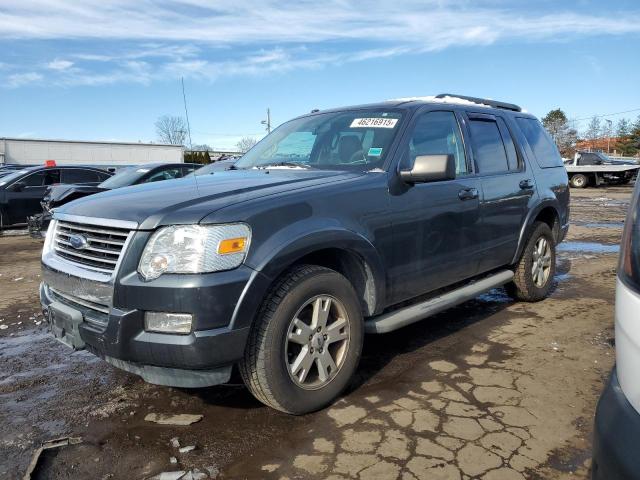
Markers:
point(616, 436)
point(203, 357)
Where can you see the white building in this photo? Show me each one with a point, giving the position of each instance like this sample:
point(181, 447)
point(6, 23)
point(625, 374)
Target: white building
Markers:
point(70, 152)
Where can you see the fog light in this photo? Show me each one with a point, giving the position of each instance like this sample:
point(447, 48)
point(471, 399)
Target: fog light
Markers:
point(164, 322)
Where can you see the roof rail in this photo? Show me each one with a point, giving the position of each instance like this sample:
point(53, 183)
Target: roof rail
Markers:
point(484, 101)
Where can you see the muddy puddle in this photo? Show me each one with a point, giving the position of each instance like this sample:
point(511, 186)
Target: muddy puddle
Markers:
point(588, 247)
point(617, 225)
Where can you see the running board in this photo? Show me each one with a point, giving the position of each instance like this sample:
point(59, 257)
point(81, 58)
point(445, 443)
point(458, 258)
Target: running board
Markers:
point(388, 322)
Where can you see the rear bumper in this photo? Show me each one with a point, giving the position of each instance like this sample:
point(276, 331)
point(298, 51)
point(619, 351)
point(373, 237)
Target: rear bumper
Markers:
point(616, 436)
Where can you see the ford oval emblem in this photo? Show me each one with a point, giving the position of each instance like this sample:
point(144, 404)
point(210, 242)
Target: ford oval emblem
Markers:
point(79, 242)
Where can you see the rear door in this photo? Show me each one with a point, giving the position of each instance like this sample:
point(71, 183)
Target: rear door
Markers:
point(507, 188)
point(435, 225)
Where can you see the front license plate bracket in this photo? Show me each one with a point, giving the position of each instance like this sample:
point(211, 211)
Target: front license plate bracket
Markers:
point(65, 325)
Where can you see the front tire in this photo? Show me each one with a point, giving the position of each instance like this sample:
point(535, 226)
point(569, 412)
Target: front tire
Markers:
point(534, 272)
point(306, 342)
point(579, 181)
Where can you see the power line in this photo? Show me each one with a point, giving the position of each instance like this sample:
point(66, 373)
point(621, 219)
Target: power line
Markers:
point(605, 115)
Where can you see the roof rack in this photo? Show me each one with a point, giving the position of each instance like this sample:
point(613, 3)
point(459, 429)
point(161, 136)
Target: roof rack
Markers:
point(484, 101)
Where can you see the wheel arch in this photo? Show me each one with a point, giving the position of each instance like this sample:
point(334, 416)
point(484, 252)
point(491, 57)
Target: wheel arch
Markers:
point(546, 212)
point(344, 251)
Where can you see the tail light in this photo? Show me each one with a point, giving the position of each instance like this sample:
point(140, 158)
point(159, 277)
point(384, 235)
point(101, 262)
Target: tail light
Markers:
point(629, 266)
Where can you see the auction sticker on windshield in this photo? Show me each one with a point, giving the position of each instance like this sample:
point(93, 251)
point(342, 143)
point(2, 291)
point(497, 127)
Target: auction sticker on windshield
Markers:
point(374, 122)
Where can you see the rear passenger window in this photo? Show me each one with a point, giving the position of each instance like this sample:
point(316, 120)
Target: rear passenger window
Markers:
point(544, 150)
point(77, 175)
point(488, 148)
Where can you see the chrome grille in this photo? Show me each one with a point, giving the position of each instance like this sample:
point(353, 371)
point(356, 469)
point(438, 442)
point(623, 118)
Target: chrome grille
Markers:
point(103, 245)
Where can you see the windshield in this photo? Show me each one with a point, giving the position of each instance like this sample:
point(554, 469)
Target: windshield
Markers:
point(11, 177)
point(349, 140)
point(125, 177)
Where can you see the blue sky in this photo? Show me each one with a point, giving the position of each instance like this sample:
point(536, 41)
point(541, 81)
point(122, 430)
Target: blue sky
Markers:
point(107, 69)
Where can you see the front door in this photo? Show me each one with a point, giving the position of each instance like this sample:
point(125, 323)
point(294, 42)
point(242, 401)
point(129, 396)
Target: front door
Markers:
point(26, 202)
point(435, 225)
point(507, 188)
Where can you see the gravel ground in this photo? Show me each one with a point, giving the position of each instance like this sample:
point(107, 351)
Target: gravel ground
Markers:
point(492, 389)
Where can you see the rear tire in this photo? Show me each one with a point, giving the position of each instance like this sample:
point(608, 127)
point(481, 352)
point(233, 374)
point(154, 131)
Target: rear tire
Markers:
point(579, 181)
point(534, 272)
point(306, 341)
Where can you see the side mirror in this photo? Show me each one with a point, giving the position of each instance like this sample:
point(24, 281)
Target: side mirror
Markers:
point(430, 168)
point(18, 186)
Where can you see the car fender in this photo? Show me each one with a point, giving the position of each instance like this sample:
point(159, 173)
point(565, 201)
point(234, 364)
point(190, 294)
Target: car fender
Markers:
point(289, 245)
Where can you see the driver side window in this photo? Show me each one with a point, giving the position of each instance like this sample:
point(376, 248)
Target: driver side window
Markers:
point(438, 133)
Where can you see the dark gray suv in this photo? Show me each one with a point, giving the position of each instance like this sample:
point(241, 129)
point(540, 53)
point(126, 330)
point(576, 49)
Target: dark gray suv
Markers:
point(340, 222)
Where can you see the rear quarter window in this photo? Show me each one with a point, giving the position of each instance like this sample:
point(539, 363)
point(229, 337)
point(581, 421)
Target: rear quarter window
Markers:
point(544, 150)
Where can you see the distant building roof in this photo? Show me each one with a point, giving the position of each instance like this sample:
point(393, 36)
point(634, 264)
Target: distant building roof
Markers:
point(99, 142)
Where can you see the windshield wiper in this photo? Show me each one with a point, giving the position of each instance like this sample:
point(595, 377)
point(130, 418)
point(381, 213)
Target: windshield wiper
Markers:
point(284, 164)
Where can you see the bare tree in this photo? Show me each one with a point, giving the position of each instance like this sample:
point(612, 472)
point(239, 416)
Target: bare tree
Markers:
point(246, 143)
point(594, 129)
point(171, 130)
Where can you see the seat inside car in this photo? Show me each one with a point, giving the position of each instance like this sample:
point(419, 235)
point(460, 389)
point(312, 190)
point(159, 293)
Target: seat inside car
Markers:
point(347, 147)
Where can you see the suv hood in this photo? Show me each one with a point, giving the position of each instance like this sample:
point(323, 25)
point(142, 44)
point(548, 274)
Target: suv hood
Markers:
point(189, 200)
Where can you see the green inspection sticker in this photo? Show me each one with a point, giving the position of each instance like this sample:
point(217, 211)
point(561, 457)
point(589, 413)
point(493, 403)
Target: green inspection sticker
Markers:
point(375, 152)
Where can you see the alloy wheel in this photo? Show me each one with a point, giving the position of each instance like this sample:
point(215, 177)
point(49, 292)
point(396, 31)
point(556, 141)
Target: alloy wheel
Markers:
point(541, 267)
point(317, 342)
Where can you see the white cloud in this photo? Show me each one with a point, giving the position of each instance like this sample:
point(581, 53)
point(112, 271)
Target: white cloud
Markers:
point(431, 24)
point(59, 65)
point(160, 39)
point(21, 79)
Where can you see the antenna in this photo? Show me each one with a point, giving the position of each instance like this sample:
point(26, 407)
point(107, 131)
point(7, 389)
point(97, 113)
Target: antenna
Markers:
point(184, 98)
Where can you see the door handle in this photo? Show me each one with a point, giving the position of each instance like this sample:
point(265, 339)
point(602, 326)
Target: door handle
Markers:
point(468, 193)
point(526, 184)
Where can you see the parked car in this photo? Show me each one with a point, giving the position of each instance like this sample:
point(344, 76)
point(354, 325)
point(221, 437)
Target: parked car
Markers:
point(617, 421)
point(22, 190)
point(595, 168)
point(340, 222)
point(6, 169)
point(60, 194)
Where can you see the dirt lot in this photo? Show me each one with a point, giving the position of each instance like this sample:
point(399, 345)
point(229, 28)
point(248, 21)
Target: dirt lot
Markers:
point(492, 389)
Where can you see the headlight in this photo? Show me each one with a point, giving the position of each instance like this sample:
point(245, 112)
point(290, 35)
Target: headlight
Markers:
point(194, 249)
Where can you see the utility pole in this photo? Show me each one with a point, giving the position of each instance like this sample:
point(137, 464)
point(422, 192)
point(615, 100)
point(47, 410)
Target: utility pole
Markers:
point(609, 128)
point(184, 97)
point(267, 122)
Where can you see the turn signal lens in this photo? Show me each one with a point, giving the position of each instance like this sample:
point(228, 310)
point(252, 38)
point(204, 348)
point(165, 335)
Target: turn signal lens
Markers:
point(232, 245)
